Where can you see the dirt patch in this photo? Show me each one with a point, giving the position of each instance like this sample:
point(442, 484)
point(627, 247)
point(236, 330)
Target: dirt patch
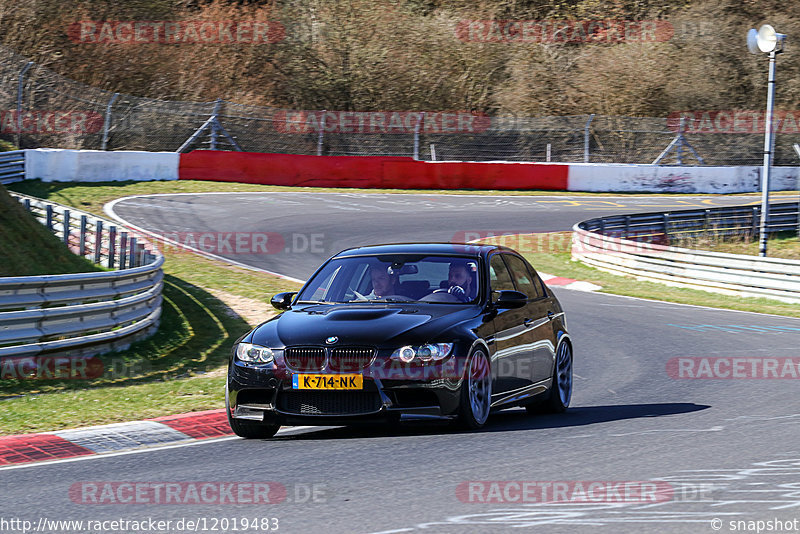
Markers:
point(253, 311)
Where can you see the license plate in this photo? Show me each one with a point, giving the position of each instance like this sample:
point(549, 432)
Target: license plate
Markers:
point(327, 382)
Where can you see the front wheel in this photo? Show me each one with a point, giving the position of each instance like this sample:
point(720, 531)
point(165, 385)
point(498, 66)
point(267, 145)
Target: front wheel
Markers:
point(249, 429)
point(476, 392)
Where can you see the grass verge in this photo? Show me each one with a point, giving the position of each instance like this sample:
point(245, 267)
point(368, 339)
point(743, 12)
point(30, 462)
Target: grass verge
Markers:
point(181, 368)
point(48, 255)
point(784, 245)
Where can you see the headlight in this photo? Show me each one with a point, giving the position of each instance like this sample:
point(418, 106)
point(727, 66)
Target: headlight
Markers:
point(254, 353)
point(425, 353)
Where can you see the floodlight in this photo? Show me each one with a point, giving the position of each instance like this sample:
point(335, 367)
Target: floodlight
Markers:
point(768, 38)
point(768, 41)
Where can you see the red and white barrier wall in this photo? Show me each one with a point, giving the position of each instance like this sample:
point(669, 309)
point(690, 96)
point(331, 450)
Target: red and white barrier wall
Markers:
point(395, 172)
point(368, 171)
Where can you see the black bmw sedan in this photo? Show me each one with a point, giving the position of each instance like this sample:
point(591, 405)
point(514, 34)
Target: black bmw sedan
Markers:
point(380, 333)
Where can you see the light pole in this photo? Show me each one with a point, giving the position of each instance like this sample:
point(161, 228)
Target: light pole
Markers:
point(768, 41)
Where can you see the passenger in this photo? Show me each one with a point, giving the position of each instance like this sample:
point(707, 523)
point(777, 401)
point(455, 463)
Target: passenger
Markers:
point(383, 283)
point(460, 280)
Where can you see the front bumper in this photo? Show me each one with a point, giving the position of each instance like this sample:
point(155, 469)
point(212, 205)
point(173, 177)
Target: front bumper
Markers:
point(390, 392)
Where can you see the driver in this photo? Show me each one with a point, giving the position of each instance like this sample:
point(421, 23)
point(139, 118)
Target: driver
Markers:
point(383, 283)
point(460, 280)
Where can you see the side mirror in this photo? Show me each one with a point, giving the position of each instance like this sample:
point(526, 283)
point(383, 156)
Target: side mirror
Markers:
point(507, 300)
point(282, 301)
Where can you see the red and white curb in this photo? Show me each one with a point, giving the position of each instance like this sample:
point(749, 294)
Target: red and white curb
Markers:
point(568, 283)
point(62, 444)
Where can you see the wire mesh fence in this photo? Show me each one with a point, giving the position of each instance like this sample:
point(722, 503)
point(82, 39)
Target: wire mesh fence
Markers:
point(41, 108)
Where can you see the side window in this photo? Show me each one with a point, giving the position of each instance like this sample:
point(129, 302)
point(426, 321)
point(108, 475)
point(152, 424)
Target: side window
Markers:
point(499, 276)
point(522, 277)
point(537, 281)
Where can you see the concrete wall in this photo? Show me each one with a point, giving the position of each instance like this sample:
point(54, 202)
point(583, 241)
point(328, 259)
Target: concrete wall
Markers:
point(626, 177)
point(61, 165)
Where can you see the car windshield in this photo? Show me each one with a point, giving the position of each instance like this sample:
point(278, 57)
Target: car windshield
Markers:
point(394, 278)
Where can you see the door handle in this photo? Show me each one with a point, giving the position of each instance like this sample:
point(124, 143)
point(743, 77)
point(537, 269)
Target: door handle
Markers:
point(527, 322)
point(550, 316)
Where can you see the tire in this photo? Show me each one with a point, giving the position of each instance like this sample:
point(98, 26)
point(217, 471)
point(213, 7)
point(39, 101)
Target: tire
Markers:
point(249, 429)
point(476, 392)
point(561, 387)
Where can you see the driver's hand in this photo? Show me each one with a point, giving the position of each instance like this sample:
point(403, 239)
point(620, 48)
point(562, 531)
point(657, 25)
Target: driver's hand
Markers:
point(458, 292)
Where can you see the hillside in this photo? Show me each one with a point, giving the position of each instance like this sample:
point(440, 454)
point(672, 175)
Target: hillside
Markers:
point(420, 54)
point(28, 248)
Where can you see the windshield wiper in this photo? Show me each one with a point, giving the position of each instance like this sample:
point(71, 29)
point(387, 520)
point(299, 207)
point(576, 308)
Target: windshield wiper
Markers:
point(384, 299)
point(314, 302)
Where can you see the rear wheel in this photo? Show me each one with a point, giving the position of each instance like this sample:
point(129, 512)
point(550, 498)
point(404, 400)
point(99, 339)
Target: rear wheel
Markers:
point(249, 429)
point(476, 392)
point(561, 387)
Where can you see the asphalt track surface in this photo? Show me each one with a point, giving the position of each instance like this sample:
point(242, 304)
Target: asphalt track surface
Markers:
point(307, 228)
point(727, 448)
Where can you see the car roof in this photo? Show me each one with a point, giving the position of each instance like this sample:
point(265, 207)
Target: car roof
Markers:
point(455, 249)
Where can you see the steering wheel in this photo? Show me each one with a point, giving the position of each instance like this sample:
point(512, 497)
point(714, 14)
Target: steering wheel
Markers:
point(460, 294)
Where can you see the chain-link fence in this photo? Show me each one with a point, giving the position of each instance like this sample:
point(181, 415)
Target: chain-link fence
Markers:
point(43, 109)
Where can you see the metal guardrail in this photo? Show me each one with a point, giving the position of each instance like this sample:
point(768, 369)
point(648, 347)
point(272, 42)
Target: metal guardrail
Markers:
point(12, 166)
point(641, 245)
point(83, 313)
point(97, 239)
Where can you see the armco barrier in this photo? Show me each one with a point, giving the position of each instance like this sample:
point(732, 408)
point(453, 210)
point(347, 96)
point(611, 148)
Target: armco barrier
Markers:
point(638, 245)
point(12, 166)
point(84, 313)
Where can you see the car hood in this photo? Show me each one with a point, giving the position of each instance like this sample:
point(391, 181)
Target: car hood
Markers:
point(372, 324)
